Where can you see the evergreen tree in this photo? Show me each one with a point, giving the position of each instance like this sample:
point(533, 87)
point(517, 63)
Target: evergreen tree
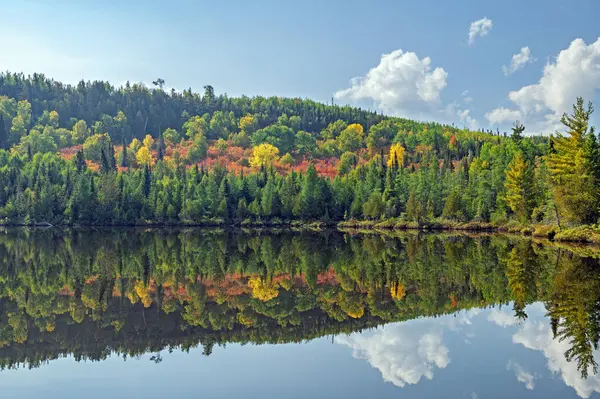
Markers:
point(574, 188)
point(104, 162)
point(4, 138)
point(453, 206)
point(124, 161)
point(413, 208)
point(80, 163)
point(519, 184)
point(517, 132)
point(161, 148)
point(147, 178)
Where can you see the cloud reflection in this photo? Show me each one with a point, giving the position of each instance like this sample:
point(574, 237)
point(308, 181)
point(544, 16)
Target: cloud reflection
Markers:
point(402, 353)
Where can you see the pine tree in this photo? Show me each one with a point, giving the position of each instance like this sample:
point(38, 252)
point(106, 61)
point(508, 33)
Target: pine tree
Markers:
point(104, 162)
point(242, 209)
point(147, 181)
point(4, 138)
point(112, 161)
point(161, 148)
point(80, 161)
point(574, 187)
point(124, 161)
point(413, 208)
point(453, 206)
point(517, 132)
point(519, 185)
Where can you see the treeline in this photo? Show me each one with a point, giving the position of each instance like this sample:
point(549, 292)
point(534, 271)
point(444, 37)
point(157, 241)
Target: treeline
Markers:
point(92, 293)
point(152, 110)
point(246, 165)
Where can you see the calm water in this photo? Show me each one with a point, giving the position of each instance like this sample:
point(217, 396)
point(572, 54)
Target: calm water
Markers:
point(132, 313)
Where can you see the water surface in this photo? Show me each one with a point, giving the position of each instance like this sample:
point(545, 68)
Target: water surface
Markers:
point(188, 313)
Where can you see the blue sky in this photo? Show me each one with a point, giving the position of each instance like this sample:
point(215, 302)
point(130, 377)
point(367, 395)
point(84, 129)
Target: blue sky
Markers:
point(314, 48)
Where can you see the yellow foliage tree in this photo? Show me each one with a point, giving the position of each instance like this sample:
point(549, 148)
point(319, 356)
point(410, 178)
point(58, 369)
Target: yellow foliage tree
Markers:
point(248, 124)
point(54, 119)
point(264, 154)
point(351, 138)
point(135, 145)
point(144, 157)
point(262, 290)
point(396, 155)
point(148, 141)
point(398, 292)
point(143, 293)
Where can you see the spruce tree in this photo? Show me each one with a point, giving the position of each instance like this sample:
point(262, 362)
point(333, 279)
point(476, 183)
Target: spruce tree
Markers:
point(161, 148)
point(124, 160)
point(574, 186)
point(517, 132)
point(4, 138)
point(146, 181)
point(104, 162)
point(80, 161)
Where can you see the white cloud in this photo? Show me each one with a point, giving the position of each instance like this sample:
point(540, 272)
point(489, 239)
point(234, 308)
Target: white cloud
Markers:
point(501, 115)
point(404, 85)
point(518, 61)
point(400, 352)
point(466, 118)
point(461, 318)
point(401, 84)
point(454, 112)
point(538, 336)
point(502, 318)
point(522, 375)
point(575, 72)
point(480, 27)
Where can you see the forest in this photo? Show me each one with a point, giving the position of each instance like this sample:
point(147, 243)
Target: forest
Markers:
point(95, 154)
point(91, 293)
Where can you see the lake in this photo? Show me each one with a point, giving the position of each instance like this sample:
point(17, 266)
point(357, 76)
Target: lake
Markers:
point(190, 313)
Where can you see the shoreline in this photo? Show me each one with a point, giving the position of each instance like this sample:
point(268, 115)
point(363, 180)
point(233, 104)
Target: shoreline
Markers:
point(584, 234)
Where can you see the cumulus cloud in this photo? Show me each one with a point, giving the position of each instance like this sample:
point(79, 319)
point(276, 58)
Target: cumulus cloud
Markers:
point(518, 61)
point(401, 84)
point(480, 27)
point(501, 115)
point(454, 112)
point(400, 352)
point(538, 336)
point(575, 72)
point(461, 318)
point(404, 85)
point(502, 318)
point(522, 375)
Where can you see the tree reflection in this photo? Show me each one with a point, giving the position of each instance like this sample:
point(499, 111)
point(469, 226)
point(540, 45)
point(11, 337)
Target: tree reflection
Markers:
point(93, 293)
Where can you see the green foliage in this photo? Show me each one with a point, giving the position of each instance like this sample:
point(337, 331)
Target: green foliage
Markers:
point(579, 234)
point(348, 161)
point(575, 188)
point(94, 145)
point(409, 171)
point(520, 193)
point(36, 142)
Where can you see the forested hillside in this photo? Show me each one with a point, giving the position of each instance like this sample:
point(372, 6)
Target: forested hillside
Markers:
point(96, 154)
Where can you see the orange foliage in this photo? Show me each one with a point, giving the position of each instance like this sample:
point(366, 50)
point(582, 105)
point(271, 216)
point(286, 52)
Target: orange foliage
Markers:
point(452, 142)
point(69, 152)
